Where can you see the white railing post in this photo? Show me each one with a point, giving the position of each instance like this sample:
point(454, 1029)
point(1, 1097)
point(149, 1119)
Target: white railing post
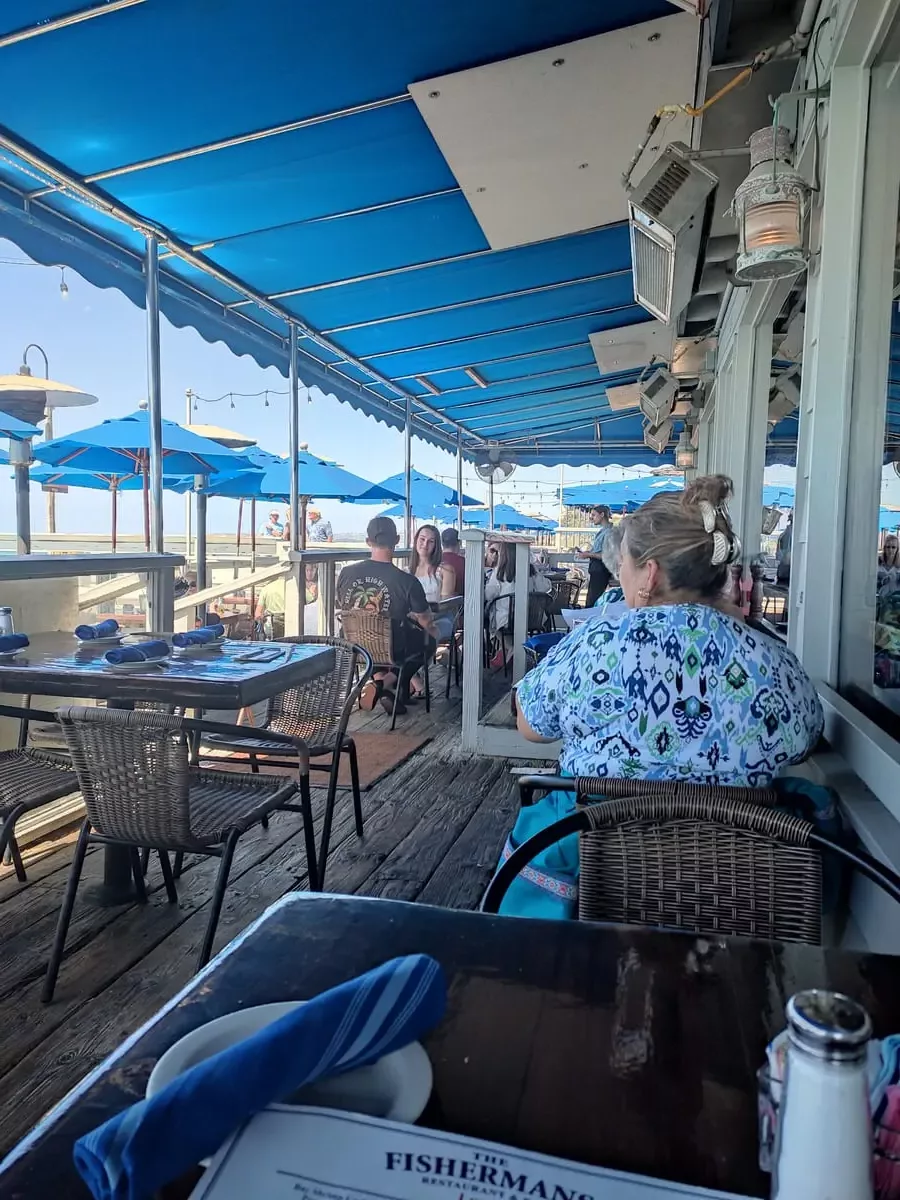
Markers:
point(473, 626)
point(520, 618)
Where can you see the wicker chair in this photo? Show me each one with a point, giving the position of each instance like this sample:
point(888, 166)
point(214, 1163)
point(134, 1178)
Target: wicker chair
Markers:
point(452, 606)
point(29, 779)
point(372, 632)
point(318, 713)
point(696, 859)
point(564, 595)
point(140, 789)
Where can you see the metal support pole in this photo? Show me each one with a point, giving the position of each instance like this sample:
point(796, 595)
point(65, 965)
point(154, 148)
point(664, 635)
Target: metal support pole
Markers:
point(490, 503)
point(188, 397)
point(154, 395)
point(459, 483)
point(407, 472)
point(51, 496)
point(202, 574)
point(294, 442)
point(20, 456)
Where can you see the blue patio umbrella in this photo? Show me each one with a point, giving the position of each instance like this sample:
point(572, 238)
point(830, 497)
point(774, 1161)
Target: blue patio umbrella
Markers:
point(121, 446)
point(99, 481)
point(430, 499)
point(627, 494)
point(888, 518)
point(506, 517)
point(318, 478)
point(12, 427)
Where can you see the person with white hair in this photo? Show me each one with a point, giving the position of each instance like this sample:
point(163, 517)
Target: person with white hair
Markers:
point(317, 530)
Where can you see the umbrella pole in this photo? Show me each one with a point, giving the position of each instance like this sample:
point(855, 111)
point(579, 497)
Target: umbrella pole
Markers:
point(252, 556)
point(146, 489)
point(240, 523)
point(459, 483)
point(20, 453)
point(114, 499)
point(304, 500)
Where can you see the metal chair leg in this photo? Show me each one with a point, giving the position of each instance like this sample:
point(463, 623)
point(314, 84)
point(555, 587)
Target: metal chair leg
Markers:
point(8, 839)
point(65, 914)
point(330, 798)
point(427, 684)
point(137, 874)
point(145, 860)
point(215, 908)
point(350, 747)
point(309, 837)
point(16, 855)
point(396, 701)
point(168, 878)
point(178, 865)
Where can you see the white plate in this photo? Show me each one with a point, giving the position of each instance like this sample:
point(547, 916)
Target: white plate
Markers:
point(135, 666)
point(12, 653)
point(396, 1087)
point(107, 641)
point(202, 648)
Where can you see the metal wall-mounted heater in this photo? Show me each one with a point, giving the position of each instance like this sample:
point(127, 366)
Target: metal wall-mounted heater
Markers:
point(658, 438)
point(669, 214)
point(657, 395)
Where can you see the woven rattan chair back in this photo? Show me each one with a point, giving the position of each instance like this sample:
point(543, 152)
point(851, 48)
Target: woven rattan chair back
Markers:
point(318, 711)
point(370, 630)
point(538, 608)
point(565, 594)
point(133, 772)
point(698, 860)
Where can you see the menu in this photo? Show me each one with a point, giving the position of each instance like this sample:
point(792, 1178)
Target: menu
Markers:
point(321, 1154)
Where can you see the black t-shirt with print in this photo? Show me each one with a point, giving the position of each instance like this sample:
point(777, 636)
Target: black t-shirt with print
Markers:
point(381, 587)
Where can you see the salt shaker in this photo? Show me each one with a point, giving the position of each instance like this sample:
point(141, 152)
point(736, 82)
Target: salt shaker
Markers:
point(6, 622)
point(824, 1141)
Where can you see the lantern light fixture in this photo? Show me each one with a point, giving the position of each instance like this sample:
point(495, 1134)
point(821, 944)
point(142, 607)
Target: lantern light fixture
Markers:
point(771, 208)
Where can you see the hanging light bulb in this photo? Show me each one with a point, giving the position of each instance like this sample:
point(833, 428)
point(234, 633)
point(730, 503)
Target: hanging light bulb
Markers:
point(771, 208)
point(265, 399)
point(63, 286)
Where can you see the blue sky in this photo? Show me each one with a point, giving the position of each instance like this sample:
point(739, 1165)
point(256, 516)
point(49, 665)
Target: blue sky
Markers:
point(95, 339)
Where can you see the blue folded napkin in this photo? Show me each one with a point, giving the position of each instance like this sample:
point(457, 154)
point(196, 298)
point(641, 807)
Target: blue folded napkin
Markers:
point(197, 637)
point(13, 641)
point(105, 629)
point(155, 1141)
point(145, 652)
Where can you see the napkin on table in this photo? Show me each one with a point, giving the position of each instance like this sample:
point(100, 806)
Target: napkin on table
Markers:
point(145, 652)
point(105, 629)
point(155, 1141)
point(198, 637)
point(13, 641)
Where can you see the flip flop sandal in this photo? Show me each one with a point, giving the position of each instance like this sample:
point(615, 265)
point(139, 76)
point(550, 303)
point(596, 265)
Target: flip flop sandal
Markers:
point(386, 700)
point(370, 694)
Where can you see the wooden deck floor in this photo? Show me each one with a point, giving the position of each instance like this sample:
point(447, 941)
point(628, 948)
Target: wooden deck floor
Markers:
point(434, 828)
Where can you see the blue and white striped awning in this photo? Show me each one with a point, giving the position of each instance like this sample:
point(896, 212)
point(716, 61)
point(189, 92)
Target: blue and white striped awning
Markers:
point(276, 152)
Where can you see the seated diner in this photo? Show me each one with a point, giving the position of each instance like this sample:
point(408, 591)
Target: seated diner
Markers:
point(379, 586)
point(676, 688)
point(499, 589)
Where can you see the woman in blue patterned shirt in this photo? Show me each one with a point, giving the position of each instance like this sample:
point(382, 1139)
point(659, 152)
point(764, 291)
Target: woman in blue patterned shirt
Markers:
point(676, 688)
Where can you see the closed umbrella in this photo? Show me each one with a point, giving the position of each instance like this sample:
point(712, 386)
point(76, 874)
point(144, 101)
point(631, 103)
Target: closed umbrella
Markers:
point(121, 446)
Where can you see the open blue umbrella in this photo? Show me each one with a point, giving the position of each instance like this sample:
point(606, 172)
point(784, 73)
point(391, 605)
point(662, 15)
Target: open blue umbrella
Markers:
point(506, 517)
point(627, 494)
point(66, 477)
point(318, 478)
point(121, 446)
point(430, 499)
point(12, 427)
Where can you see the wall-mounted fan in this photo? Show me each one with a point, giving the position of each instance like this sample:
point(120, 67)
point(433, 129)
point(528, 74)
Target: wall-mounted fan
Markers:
point(494, 472)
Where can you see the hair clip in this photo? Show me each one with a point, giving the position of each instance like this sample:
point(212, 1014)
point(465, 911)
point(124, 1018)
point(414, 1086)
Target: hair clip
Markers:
point(708, 513)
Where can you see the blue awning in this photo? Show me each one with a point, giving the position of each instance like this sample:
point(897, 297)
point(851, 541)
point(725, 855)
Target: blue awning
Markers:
point(290, 176)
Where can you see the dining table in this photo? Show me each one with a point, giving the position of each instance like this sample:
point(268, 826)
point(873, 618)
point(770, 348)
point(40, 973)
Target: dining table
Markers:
point(630, 1048)
point(227, 677)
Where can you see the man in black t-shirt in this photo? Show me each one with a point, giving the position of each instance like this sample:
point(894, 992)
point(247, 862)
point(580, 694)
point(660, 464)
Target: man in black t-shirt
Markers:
point(378, 586)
